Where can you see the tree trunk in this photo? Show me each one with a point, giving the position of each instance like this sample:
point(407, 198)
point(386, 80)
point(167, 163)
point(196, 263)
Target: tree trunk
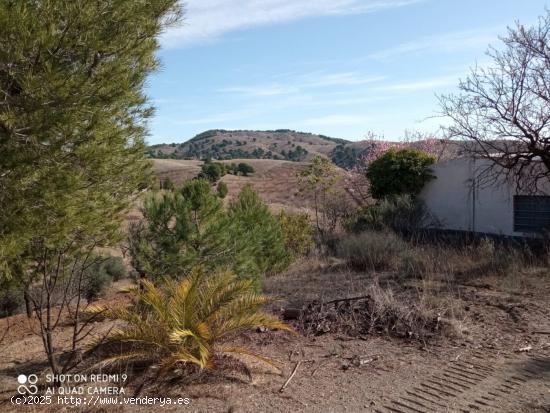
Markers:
point(28, 304)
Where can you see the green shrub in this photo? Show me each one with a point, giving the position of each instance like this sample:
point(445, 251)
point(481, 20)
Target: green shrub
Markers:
point(212, 171)
point(371, 250)
point(245, 169)
point(114, 267)
point(11, 299)
point(297, 233)
point(180, 229)
point(257, 234)
point(96, 280)
point(232, 168)
point(189, 227)
point(167, 184)
point(397, 172)
point(222, 190)
point(402, 214)
point(96, 283)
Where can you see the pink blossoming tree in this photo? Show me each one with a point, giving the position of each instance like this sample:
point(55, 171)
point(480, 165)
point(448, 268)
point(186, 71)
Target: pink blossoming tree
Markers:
point(357, 182)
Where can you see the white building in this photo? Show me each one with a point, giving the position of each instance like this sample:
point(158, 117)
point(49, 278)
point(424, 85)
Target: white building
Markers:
point(496, 209)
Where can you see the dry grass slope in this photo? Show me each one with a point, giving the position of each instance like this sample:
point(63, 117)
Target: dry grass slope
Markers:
point(275, 180)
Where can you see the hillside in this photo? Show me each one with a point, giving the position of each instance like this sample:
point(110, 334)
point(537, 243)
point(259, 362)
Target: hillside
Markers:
point(280, 144)
point(275, 180)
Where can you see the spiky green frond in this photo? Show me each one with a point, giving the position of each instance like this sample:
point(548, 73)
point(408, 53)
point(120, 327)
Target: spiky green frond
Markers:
point(188, 322)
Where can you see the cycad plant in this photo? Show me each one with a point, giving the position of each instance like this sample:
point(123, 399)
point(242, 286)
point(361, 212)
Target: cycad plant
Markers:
point(187, 322)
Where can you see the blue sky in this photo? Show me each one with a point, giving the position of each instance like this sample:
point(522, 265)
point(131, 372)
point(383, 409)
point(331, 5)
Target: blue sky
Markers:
point(336, 67)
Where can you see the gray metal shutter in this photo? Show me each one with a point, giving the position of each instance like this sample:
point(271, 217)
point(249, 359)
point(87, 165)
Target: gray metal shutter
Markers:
point(531, 213)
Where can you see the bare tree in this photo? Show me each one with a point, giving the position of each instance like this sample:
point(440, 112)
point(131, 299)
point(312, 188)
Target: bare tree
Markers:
point(503, 111)
point(57, 285)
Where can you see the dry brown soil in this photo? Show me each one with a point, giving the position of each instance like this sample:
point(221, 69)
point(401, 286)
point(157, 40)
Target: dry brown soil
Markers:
point(481, 370)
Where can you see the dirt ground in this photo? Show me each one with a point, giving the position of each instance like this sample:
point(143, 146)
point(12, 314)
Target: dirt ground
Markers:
point(499, 362)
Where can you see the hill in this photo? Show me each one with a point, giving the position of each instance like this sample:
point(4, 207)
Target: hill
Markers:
point(282, 144)
point(275, 180)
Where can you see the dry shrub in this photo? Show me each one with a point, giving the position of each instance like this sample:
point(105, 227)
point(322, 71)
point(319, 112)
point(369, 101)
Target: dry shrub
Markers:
point(481, 259)
point(336, 209)
point(371, 250)
point(297, 233)
point(465, 262)
point(419, 315)
point(416, 263)
point(403, 214)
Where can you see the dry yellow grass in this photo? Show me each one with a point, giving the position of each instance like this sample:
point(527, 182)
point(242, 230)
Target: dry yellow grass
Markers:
point(275, 180)
point(176, 170)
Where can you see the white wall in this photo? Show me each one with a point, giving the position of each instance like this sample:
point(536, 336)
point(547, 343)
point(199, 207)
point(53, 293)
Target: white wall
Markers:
point(454, 204)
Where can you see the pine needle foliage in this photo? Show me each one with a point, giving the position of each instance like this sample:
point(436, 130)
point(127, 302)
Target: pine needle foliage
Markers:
point(189, 227)
point(257, 234)
point(187, 322)
point(180, 230)
point(72, 119)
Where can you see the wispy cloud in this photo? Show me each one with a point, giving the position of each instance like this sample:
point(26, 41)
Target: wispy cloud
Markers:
point(219, 118)
point(447, 42)
point(300, 83)
point(337, 120)
point(261, 90)
point(421, 84)
point(207, 20)
point(340, 79)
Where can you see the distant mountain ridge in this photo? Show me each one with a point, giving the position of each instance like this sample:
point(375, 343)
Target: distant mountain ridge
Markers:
point(282, 144)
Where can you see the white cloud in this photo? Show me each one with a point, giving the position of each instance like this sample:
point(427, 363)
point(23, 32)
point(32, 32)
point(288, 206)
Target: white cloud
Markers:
point(261, 90)
point(302, 82)
point(422, 84)
point(219, 118)
point(207, 20)
point(448, 42)
point(340, 79)
point(337, 120)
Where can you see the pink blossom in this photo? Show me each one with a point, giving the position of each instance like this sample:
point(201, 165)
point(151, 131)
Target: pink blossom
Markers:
point(357, 182)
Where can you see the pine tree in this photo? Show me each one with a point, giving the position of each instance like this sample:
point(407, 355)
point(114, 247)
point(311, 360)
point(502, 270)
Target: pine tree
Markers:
point(222, 190)
point(72, 116)
point(72, 127)
point(257, 233)
point(189, 227)
point(180, 230)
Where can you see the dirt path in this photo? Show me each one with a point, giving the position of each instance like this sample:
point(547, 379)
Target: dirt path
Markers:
point(479, 383)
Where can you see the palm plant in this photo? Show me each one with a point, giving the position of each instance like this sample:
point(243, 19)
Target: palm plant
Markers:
point(186, 322)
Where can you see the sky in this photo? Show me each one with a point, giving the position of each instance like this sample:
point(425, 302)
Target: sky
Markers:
point(341, 68)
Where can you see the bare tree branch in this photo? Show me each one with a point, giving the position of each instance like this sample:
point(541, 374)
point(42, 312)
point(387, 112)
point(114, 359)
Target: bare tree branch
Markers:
point(503, 114)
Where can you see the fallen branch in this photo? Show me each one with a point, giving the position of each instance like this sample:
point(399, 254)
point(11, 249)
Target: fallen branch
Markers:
point(290, 377)
point(343, 300)
point(295, 313)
